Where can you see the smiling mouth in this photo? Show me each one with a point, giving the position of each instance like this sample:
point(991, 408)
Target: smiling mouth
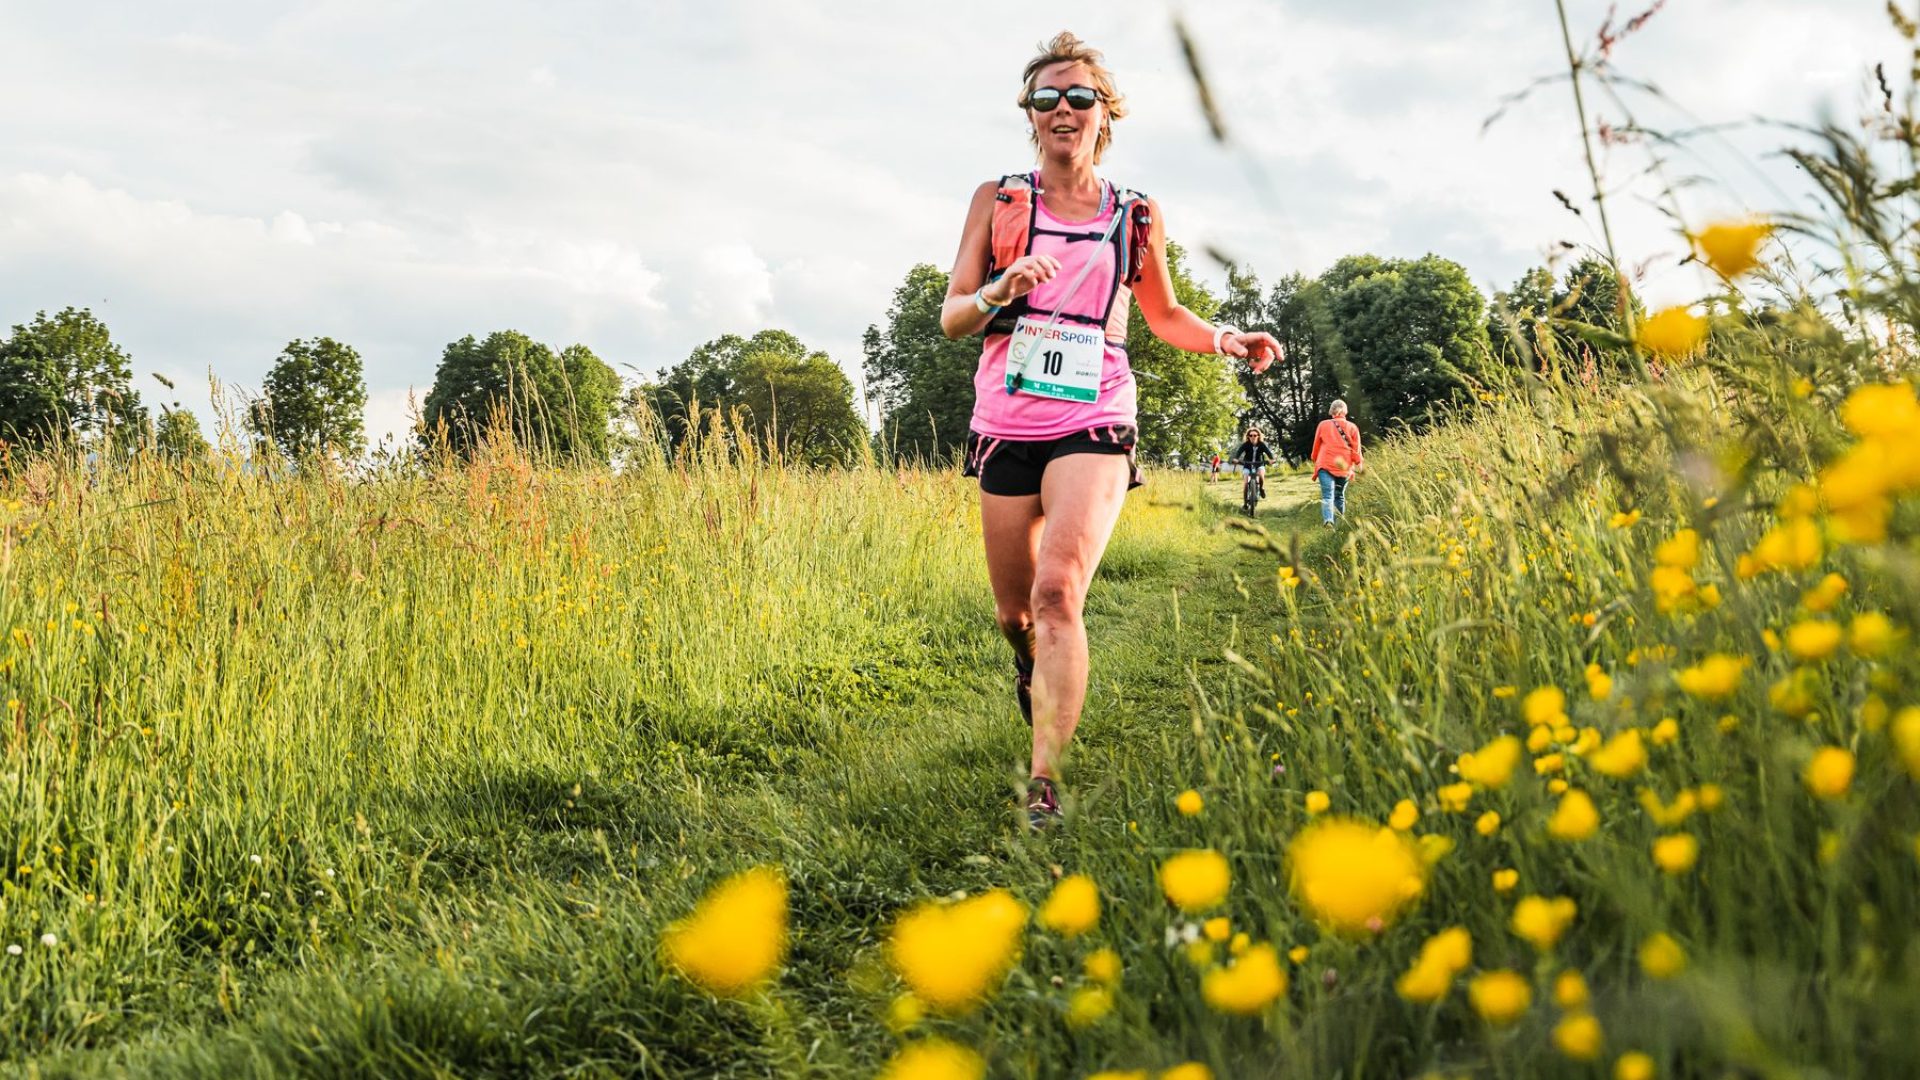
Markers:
point(1064, 130)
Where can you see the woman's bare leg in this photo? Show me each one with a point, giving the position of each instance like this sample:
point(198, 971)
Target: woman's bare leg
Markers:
point(1010, 525)
point(1080, 498)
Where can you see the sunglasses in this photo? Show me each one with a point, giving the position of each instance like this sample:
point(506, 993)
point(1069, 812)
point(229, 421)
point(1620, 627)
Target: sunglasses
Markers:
point(1048, 98)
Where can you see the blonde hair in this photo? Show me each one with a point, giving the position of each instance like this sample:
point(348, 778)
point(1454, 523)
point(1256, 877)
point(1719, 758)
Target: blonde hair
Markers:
point(1065, 48)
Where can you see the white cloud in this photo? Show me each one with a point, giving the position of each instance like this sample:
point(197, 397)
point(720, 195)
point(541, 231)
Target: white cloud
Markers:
point(218, 180)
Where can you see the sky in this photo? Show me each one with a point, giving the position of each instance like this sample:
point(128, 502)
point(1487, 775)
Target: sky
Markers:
point(219, 177)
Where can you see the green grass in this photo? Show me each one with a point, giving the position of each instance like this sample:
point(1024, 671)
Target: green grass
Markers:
point(486, 730)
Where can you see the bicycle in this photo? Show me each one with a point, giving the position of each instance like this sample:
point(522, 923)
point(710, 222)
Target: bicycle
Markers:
point(1252, 489)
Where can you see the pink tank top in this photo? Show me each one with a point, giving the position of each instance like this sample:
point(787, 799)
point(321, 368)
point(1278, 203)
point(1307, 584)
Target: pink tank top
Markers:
point(1028, 417)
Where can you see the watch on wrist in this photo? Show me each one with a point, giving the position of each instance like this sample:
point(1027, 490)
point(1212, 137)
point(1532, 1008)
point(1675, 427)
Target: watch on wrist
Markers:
point(1220, 333)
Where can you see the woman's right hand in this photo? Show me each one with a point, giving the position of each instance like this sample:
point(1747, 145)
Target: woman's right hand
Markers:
point(1026, 274)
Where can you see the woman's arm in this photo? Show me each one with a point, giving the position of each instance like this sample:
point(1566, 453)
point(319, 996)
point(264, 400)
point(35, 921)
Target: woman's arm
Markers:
point(1319, 434)
point(1172, 323)
point(959, 315)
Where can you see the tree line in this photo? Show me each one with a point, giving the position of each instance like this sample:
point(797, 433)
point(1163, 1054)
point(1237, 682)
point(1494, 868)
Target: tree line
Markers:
point(1401, 340)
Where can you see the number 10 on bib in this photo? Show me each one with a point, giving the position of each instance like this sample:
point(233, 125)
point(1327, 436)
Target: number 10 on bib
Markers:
point(1063, 362)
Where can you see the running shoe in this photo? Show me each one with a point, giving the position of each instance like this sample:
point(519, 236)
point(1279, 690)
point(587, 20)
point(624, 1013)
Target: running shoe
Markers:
point(1043, 803)
point(1023, 686)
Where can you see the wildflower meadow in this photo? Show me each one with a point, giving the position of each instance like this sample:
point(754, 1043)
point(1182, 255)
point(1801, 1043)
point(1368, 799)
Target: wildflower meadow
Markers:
point(1587, 746)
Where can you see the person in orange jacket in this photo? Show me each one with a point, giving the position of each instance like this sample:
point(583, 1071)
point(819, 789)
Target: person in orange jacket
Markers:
point(1336, 459)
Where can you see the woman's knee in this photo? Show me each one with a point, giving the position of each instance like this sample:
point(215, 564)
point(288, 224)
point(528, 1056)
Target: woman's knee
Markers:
point(1058, 595)
point(1014, 621)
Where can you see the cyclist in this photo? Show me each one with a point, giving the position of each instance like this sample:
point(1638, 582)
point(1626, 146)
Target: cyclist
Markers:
point(1048, 261)
point(1252, 457)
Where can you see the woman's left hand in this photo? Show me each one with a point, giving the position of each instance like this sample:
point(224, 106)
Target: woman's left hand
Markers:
point(1258, 349)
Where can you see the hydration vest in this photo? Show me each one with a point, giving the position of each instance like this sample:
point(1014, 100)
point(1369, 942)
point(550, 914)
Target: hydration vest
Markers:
point(1015, 207)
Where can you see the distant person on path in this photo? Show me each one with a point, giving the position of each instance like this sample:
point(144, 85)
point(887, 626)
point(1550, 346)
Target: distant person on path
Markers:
point(1049, 260)
point(1336, 459)
point(1215, 474)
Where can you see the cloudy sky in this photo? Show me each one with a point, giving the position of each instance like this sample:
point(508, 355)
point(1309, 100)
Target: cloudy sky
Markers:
point(218, 177)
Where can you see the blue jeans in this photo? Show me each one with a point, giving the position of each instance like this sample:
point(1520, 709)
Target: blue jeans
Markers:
point(1333, 495)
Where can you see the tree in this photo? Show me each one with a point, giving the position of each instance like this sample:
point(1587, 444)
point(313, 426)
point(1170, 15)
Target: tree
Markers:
point(177, 436)
point(803, 406)
point(921, 380)
point(63, 377)
point(314, 399)
point(553, 404)
point(1531, 325)
point(1189, 402)
point(793, 397)
point(1414, 333)
point(1289, 399)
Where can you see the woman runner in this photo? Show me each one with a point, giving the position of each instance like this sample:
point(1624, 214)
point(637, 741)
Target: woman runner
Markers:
point(1049, 259)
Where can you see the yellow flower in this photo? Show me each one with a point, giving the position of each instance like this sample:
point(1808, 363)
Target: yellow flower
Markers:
point(1404, 815)
point(1191, 1070)
point(1710, 797)
point(1505, 880)
point(904, 1013)
point(1073, 908)
point(1716, 677)
point(1871, 634)
point(934, 1059)
point(1622, 756)
point(1189, 802)
point(735, 937)
point(1668, 817)
point(1661, 957)
point(1542, 921)
point(1217, 929)
point(1103, 966)
point(1317, 802)
point(1492, 765)
point(1882, 411)
point(1666, 731)
point(1906, 739)
point(1823, 596)
point(953, 955)
point(1549, 763)
point(1633, 1066)
point(1793, 693)
point(1455, 797)
point(1500, 997)
point(1487, 824)
point(1673, 334)
point(1297, 954)
point(1830, 772)
point(1731, 248)
point(1505, 691)
point(1790, 545)
point(1539, 738)
point(1088, 1006)
point(1578, 1036)
point(1672, 589)
point(1253, 982)
point(1119, 1074)
point(1575, 818)
point(1569, 990)
point(1196, 880)
point(1353, 876)
point(1557, 786)
point(1599, 683)
point(1624, 519)
point(1443, 956)
point(1681, 551)
point(1545, 705)
point(1813, 639)
point(1677, 853)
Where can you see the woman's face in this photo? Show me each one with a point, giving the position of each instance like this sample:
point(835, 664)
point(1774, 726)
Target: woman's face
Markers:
point(1067, 132)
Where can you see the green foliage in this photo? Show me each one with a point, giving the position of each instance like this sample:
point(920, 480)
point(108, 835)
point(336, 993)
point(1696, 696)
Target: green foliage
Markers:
point(64, 377)
point(1531, 326)
point(1189, 402)
point(1414, 333)
point(314, 400)
point(550, 404)
point(789, 395)
point(177, 436)
point(1290, 397)
point(920, 380)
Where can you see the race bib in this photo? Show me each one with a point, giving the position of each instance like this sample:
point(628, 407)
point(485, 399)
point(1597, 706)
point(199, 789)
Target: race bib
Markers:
point(1060, 361)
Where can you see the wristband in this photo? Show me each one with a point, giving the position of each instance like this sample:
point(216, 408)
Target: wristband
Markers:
point(980, 301)
point(1219, 334)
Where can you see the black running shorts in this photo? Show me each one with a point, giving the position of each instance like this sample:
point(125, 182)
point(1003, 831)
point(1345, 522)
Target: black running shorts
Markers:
point(1014, 466)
